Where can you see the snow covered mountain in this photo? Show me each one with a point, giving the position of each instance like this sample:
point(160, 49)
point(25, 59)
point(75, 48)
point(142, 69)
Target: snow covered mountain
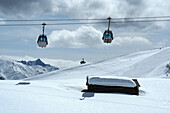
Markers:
point(14, 70)
point(151, 63)
point(60, 63)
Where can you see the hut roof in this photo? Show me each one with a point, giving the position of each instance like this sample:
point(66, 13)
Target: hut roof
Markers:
point(111, 81)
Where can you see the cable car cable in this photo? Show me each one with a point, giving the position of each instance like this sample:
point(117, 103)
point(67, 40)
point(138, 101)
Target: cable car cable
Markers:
point(51, 20)
point(127, 21)
point(52, 24)
point(142, 17)
point(147, 17)
point(138, 21)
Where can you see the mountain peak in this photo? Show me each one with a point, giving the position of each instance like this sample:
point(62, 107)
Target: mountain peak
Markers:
point(14, 70)
point(39, 62)
point(32, 63)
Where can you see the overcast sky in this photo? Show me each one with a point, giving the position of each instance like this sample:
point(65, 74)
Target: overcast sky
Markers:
point(83, 41)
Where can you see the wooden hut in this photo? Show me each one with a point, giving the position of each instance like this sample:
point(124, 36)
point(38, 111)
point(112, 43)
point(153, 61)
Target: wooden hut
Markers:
point(112, 85)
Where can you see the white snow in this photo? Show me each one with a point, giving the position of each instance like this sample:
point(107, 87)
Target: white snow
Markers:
point(65, 96)
point(111, 81)
point(60, 91)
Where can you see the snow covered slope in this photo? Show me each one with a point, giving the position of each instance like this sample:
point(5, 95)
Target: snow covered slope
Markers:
point(150, 63)
point(13, 70)
point(60, 91)
point(65, 96)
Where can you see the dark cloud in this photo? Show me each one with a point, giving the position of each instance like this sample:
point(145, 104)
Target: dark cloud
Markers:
point(24, 8)
point(88, 9)
point(134, 2)
point(133, 7)
point(117, 8)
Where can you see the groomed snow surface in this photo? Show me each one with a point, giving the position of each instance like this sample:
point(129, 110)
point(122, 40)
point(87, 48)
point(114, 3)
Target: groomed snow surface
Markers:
point(60, 91)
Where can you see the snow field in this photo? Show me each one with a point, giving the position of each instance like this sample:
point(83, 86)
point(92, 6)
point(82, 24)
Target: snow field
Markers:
point(65, 96)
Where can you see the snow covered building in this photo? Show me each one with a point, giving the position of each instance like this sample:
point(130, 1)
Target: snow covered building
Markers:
point(112, 85)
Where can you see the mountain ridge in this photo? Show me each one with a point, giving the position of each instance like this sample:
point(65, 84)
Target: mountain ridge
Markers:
point(14, 70)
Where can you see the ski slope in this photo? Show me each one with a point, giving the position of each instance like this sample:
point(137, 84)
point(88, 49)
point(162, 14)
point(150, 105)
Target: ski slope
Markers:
point(60, 91)
point(143, 64)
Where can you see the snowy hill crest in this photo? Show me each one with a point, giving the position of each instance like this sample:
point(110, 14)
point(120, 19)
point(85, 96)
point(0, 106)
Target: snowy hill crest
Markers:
point(145, 64)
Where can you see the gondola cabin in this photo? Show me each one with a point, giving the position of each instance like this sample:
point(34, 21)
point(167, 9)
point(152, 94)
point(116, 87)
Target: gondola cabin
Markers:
point(82, 62)
point(42, 41)
point(107, 36)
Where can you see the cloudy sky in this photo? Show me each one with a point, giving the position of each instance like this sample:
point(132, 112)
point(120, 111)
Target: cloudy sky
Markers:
point(73, 42)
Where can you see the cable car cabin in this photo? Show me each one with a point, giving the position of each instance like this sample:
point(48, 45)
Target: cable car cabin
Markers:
point(82, 62)
point(107, 36)
point(42, 41)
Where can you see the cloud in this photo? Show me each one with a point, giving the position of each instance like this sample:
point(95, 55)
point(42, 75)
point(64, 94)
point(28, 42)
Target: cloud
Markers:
point(86, 8)
point(120, 8)
point(88, 36)
point(131, 41)
point(113, 8)
point(89, 9)
point(85, 36)
point(24, 8)
point(163, 43)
